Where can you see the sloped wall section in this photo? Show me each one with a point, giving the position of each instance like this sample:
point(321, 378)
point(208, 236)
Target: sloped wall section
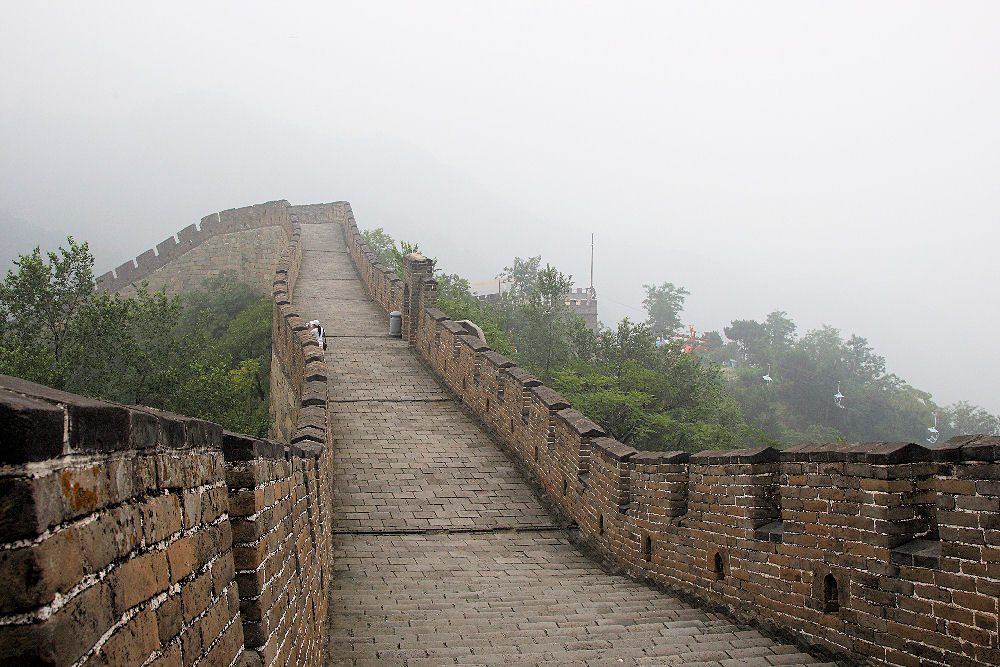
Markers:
point(133, 536)
point(884, 551)
point(248, 241)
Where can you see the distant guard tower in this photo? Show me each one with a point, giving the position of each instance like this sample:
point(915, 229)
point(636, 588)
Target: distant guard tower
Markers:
point(582, 301)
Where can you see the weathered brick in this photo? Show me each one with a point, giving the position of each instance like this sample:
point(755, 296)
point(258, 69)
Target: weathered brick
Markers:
point(33, 429)
point(181, 559)
point(196, 596)
point(138, 579)
point(133, 643)
point(169, 619)
point(31, 576)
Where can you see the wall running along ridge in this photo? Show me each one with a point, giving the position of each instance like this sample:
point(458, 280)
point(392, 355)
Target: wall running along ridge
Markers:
point(133, 536)
point(247, 240)
point(884, 551)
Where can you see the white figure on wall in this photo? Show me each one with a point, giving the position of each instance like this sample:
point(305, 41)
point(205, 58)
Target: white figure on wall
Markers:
point(317, 330)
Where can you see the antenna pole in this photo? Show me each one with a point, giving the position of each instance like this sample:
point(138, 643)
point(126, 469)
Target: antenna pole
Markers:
point(591, 262)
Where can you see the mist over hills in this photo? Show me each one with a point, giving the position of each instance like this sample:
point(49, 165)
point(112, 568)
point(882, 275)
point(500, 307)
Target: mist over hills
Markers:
point(126, 181)
point(18, 237)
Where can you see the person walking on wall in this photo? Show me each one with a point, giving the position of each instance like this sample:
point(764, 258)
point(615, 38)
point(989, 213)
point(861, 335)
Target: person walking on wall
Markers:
point(318, 331)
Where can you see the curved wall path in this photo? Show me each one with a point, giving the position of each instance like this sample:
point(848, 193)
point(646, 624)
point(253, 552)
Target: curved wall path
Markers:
point(442, 553)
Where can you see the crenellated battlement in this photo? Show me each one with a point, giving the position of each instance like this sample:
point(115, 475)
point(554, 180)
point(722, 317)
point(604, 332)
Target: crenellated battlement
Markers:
point(232, 221)
point(885, 551)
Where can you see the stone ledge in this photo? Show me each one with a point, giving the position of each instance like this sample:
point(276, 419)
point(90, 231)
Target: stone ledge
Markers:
point(918, 553)
point(549, 397)
point(472, 341)
point(614, 449)
point(497, 359)
point(753, 455)
point(656, 458)
point(32, 429)
point(522, 376)
point(436, 315)
point(93, 425)
point(877, 453)
point(238, 447)
point(969, 448)
point(579, 424)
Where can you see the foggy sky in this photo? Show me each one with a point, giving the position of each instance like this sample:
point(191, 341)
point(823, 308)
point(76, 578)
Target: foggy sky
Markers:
point(839, 161)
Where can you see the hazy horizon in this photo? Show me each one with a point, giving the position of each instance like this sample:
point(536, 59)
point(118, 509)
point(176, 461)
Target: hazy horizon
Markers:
point(838, 162)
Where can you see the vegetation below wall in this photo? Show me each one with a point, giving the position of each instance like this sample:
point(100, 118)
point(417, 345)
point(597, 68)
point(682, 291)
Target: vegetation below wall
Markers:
point(645, 396)
point(650, 388)
point(204, 354)
point(798, 404)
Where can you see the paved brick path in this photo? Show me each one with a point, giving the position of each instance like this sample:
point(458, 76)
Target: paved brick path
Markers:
point(443, 554)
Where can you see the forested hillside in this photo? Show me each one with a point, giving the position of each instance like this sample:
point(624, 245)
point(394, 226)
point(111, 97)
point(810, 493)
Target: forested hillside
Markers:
point(651, 386)
point(806, 373)
point(204, 354)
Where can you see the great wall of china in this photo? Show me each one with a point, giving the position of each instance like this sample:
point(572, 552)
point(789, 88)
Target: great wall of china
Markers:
point(132, 536)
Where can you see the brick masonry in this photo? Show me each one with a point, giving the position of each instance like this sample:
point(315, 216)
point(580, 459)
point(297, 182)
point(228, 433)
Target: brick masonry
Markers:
point(443, 553)
point(880, 551)
point(133, 536)
point(130, 536)
point(248, 241)
point(117, 545)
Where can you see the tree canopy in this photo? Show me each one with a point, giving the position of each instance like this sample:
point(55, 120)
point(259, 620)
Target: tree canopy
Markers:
point(385, 248)
point(205, 354)
point(664, 304)
point(668, 397)
point(798, 404)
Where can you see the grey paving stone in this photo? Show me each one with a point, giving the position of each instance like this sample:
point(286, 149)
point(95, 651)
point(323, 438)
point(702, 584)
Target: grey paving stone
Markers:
point(407, 458)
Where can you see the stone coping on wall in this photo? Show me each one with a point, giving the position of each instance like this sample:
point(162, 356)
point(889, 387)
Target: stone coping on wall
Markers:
point(40, 423)
point(299, 354)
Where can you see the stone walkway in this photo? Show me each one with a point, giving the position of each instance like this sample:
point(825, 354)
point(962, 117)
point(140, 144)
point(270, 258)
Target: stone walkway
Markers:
point(443, 554)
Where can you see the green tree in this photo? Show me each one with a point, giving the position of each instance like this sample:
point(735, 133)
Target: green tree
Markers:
point(381, 244)
point(751, 339)
point(385, 248)
point(964, 418)
point(664, 304)
point(654, 398)
point(779, 331)
point(125, 350)
point(542, 319)
point(208, 358)
point(38, 307)
point(629, 341)
point(756, 399)
point(522, 277)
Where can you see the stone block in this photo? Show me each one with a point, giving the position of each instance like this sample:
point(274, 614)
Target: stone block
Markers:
point(31, 576)
point(138, 579)
point(133, 643)
point(32, 429)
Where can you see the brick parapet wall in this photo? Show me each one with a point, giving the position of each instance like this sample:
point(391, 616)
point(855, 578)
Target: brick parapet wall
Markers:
point(279, 510)
point(115, 541)
point(881, 551)
point(170, 250)
point(283, 494)
point(131, 536)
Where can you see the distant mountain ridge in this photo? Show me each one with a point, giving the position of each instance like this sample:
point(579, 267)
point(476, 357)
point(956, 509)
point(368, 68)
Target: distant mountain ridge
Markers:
point(18, 236)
